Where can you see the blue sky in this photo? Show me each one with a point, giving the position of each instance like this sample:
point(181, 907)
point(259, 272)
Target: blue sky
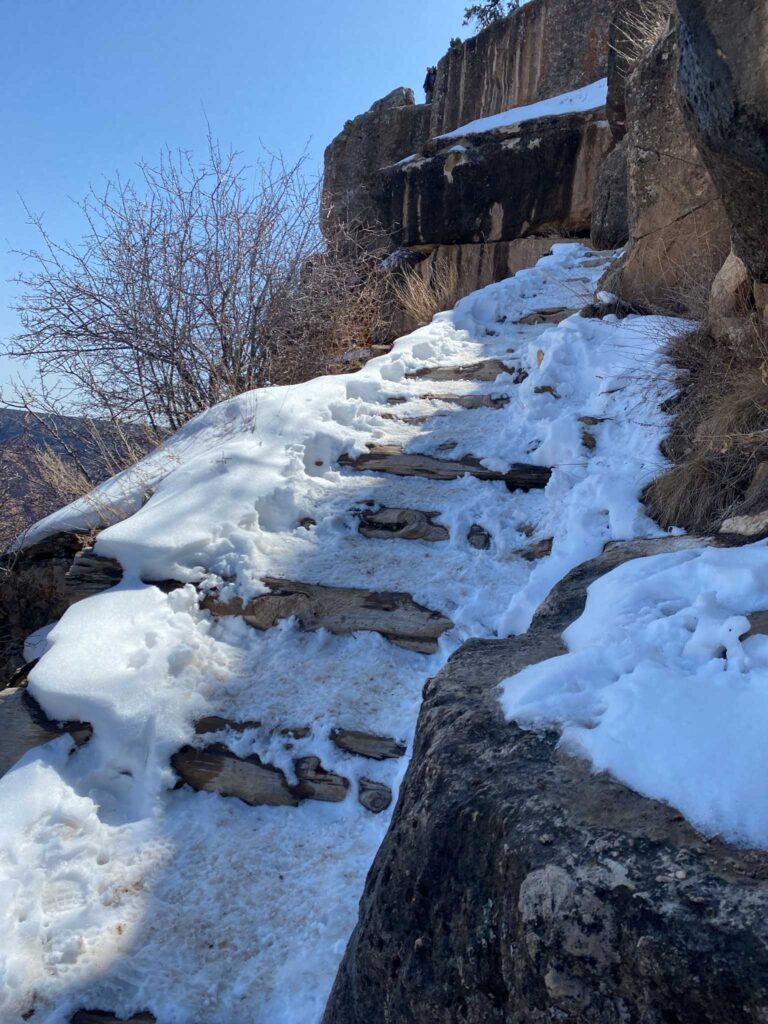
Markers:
point(88, 87)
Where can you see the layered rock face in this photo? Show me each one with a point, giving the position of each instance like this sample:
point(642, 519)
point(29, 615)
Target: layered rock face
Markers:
point(516, 885)
point(545, 49)
point(678, 226)
point(532, 178)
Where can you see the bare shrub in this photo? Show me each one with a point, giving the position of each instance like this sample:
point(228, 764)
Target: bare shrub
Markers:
point(200, 282)
point(422, 297)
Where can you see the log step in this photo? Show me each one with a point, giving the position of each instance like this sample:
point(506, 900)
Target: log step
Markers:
point(552, 315)
point(216, 769)
point(464, 401)
point(401, 524)
point(105, 1017)
point(364, 744)
point(340, 610)
point(487, 370)
point(351, 741)
point(391, 459)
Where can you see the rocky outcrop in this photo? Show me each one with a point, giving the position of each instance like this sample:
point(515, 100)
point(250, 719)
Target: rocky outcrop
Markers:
point(489, 186)
point(610, 201)
point(546, 48)
point(485, 191)
point(516, 885)
point(724, 87)
point(393, 128)
point(679, 231)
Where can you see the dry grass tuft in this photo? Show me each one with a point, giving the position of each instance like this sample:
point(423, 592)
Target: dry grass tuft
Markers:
point(641, 27)
point(719, 439)
point(422, 297)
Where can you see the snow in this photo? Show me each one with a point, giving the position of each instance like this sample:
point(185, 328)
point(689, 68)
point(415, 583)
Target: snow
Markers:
point(661, 688)
point(589, 97)
point(124, 893)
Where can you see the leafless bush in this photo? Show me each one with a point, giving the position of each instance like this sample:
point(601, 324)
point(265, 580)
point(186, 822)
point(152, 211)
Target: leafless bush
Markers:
point(423, 296)
point(197, 283)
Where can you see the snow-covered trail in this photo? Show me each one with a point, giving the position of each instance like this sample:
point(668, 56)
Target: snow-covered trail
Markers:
point(121, 892)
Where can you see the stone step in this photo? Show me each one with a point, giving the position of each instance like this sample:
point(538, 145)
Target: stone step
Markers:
point(401, 524)
point(352, 741)
point(340, 610)
point(485, 371)
point(216, 769)
point(392, 459)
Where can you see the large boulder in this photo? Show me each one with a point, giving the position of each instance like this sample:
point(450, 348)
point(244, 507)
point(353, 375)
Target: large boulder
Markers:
point(516, 885)
point(679, 230)
point(545, 48)
point(536, 177)
point(724, 86)
point(610, 202)
point(393, 128)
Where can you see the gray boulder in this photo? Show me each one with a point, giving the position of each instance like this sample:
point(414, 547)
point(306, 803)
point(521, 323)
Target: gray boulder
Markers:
point(516, 885)
point(724, 86)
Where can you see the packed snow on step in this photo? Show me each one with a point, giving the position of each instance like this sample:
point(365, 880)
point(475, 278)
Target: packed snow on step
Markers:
point(666, 686)
point(589, 97)
point(121, 892)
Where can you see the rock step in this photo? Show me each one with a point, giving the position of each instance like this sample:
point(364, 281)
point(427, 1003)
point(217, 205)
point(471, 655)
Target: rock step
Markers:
point(392, 459)
point(340, 610)
point(401, 524)
point(216, 769)
point(364, 744)
point(486, 371)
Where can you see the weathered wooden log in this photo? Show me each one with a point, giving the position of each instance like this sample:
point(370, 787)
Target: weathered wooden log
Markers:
point(216, 769)
point(105, 1017)
point(391, 459)
point(91, 574)
point(478, 537)
point(485, 371)
point(401, 524)
point(340, 610)
point(465, 401)
point(364, 744)
point(374, 796)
